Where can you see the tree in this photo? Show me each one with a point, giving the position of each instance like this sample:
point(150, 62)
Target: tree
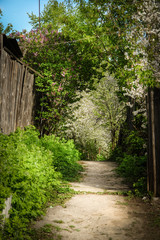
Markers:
point(110, 111)
point(83, 125)
point(66, 54)
point(96, 118)
point(66, 67)
point(9, 27)
point(53, 13)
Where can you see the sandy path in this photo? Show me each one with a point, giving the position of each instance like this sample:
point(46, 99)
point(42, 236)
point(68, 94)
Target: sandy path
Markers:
point(94, 214)
point(99, 177)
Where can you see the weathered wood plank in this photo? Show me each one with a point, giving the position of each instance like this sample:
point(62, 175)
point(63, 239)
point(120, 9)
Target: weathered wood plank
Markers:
point(21, 116)
point(29, 98)
point(5, 92)
point(13, 81)
point(16, 94)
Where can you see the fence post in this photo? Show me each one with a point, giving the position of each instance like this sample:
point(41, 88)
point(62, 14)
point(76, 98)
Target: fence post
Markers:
point(153, 182)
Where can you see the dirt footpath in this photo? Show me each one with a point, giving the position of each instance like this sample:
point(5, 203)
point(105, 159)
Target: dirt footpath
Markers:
point(96, 213)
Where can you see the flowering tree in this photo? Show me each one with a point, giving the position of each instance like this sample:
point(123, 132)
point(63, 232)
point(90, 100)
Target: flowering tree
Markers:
point(44, 52)
point(96, 118)
point(148, 16)
point(62, 67)
point(110, 111)
point(86, 129)
point(60, 54)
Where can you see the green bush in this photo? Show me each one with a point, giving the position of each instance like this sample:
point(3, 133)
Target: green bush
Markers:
point(134, 143)
point(100, 157)
point(140, 187)
point(132, 167)
point(32, 173)
point(65, 156)
point(132, 160)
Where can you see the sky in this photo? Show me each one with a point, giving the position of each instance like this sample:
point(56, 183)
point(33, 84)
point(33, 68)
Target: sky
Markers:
point(15, 12)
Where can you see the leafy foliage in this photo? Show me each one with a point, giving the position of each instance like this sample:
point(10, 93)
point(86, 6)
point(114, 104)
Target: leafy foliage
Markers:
point(65, 67)
point(110, 111)
point(83, 127)
point(65, 156)
point(32, 172)
point(132, 160)
point(96, 118)
point(4, 30)
point(132, 167)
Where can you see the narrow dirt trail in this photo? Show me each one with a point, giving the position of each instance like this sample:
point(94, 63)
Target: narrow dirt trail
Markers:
point(96, 213)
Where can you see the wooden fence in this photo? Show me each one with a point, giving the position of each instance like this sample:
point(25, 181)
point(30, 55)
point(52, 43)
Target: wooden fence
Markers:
point(154, 141)
point(16, 89)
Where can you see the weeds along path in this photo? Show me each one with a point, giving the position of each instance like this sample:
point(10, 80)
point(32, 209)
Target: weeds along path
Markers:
point(97, 212)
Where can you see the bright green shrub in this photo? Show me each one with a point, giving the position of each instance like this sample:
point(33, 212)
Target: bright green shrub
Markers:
point(100, 157)
point(31, 173)
point(65, 156)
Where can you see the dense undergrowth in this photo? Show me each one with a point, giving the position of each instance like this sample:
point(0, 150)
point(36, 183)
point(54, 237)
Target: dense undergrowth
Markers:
point(33, 171)
point(132, 161)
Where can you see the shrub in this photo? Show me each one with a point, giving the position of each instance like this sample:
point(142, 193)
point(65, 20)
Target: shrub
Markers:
point(132, 167)
point(65, 156)
point(134, 143)
point(32, 173)
point(132, 160)
point(100, 157)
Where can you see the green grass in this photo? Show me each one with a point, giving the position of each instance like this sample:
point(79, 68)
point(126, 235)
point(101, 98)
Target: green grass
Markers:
point(58, 221)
